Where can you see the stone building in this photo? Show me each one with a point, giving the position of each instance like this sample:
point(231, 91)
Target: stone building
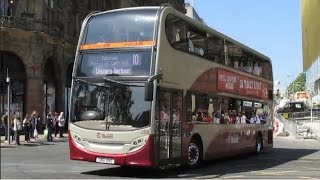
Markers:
point(38, 39)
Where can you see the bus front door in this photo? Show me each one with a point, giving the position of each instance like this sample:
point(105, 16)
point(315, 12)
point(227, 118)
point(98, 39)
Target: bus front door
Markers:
point(169, 109)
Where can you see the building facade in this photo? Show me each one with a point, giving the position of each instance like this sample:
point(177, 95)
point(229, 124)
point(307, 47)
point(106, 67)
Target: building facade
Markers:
point(38, 39)
point(311, 44)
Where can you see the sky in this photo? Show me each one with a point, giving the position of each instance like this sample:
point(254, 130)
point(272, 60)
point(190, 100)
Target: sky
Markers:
point(272, 27)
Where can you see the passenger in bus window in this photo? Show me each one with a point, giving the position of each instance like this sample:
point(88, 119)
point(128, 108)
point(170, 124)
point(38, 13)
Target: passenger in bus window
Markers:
point(232, 117)
point(175, 117)
point(258, 120)
point(216, 117)
point(199, 116)
point(263, 118)
point(164, 117)
point(241, 66)
point(256, 69)
point(226, 118)
point(236, 64)
point(238, 118)
point(253, 118)
point(194, 116)
point(248, 66)
point(207, 118)
point(243, 118)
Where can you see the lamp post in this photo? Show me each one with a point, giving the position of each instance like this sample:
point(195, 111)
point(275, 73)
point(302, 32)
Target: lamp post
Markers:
point(8, 97)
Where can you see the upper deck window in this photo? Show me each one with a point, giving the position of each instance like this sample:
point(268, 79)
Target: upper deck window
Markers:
point(120, 27)
point(192, 39)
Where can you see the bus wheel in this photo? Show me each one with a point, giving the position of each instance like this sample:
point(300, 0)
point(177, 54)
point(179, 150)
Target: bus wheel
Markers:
point(194, 154)
point(258, 144)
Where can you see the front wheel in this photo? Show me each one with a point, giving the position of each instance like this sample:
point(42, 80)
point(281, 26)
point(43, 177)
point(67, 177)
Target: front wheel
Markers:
point(194, 154)
point(258, 144)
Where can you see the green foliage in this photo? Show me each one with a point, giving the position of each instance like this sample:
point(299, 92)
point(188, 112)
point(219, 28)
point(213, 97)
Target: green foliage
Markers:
point(298, 84)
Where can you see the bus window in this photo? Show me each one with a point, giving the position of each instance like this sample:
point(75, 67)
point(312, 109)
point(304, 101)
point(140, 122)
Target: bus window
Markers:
point(129, 26)
point(215, 49)
point(267, 71)
point(232, 54)
point(196, 41)
point(175, 32)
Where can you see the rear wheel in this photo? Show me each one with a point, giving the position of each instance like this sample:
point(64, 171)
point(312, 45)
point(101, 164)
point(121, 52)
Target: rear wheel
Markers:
point(194, 154)
point(258, 144)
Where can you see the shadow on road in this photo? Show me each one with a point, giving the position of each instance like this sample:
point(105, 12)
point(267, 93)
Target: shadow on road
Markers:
point(214, 169)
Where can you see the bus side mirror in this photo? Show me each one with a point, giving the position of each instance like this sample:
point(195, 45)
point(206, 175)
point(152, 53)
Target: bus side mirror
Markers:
point(148, 93)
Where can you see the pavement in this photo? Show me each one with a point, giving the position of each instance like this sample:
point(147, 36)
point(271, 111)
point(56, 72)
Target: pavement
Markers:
point(41, 140)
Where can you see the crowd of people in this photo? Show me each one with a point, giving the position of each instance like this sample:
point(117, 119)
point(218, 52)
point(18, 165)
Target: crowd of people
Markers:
point(30, 126)
point(231, 117)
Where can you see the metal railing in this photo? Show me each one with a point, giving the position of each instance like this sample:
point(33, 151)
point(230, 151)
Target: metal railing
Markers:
point(302, 127)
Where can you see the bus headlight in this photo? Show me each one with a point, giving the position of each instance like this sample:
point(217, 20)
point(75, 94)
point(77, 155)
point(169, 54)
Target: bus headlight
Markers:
point(138, 143)
point(77, 139)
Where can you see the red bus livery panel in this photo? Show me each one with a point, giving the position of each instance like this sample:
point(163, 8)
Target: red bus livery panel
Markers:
point(143, 157)
point(231, 82)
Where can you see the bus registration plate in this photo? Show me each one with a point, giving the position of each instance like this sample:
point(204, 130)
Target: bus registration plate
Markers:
point(105, 160)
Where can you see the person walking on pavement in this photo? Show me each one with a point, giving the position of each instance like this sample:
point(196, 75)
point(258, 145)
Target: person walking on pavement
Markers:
point(34, 122)
point(55, 124)
point(49, 126)
point(17, 127)
point(61, 123)
point(26, 127)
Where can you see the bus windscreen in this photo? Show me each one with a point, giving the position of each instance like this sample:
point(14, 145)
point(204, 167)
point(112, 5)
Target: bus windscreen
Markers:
point(120, 26)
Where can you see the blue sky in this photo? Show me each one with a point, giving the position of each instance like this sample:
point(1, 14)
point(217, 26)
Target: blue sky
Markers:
point(272, 27)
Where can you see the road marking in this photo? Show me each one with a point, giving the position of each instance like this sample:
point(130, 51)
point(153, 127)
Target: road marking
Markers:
point(280, 173)
point(304, 177)
point(233, 177)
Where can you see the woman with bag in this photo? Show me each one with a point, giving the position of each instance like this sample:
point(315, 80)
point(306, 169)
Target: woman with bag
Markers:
point(17, 127)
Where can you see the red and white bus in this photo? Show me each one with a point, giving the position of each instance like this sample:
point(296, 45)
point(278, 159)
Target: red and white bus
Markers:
point(154, 88)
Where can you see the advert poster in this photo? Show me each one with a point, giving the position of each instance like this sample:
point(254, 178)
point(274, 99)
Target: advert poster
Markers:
point(231, 82)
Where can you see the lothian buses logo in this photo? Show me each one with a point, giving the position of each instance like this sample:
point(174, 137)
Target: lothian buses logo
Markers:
point(104, 136)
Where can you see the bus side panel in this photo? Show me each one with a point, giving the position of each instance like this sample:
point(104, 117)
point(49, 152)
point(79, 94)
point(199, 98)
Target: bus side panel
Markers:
point(267, 139)
point(142, 157)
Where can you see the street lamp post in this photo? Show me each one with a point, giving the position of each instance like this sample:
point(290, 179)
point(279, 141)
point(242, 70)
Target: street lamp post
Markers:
point(8, 97)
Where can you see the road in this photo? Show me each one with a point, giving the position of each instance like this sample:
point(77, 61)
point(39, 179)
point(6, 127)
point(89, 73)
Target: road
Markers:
point(290, 158)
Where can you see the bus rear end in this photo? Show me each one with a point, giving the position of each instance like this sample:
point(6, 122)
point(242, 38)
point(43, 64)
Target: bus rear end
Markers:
point(110, 120)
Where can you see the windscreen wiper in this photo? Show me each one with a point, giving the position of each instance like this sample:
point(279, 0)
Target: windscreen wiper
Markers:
point(114, 81)
point(89, 82)
point(118, 82)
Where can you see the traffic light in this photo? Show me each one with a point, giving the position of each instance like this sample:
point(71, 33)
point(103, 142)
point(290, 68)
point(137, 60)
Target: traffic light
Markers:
point(14, 95)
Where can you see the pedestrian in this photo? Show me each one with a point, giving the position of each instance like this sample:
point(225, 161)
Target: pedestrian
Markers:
point(33, 130)
point(61, 123)
point(56, 124)
point(26, 127)
point(4, 119)
point(17, 127)
point(49, 126)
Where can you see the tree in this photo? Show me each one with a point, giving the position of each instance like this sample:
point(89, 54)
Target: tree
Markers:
point(298, 84)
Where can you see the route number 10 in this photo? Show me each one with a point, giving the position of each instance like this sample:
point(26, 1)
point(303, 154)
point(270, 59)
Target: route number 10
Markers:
point(136, 61)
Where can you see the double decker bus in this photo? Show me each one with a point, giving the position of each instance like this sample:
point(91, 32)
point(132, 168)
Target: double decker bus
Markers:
point(154, 88)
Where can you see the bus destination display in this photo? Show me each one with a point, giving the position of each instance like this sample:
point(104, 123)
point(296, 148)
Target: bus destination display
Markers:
point(122, 63)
